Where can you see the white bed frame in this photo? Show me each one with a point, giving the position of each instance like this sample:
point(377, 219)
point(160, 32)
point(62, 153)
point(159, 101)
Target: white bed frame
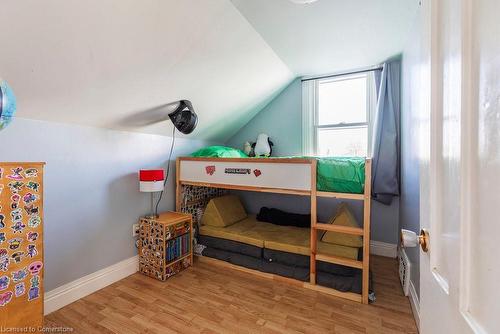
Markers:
point(294, 176)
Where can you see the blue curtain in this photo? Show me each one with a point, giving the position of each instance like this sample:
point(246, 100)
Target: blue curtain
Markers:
point(386, 130)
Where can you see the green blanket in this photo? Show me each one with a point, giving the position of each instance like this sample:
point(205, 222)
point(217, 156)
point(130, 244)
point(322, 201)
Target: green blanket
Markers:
point(341, 174)
point(334, 174)
point(219, 152)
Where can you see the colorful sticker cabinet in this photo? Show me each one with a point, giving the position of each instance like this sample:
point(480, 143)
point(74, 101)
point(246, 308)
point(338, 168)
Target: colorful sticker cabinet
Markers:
point(21, 245)
point(165, 246)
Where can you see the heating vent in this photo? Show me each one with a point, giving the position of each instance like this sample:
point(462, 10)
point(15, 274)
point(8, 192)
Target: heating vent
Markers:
point(404, 271)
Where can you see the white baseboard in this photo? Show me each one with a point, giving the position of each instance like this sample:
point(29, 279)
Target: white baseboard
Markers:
point(383, 249)
point(72, 291)
point(415, 304)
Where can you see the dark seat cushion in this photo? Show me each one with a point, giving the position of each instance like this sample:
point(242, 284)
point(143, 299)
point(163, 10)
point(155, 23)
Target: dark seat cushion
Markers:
point(338, 282)
point(291, 259)
point(231, 246)
point(279, 217)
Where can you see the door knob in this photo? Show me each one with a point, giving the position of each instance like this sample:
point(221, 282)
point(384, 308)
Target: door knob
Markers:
point(410, 239)
point(424, 240)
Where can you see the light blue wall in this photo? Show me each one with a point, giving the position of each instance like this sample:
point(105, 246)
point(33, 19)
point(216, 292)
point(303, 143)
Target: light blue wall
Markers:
point(91, 192)
point(282, 121)
point(410, 180)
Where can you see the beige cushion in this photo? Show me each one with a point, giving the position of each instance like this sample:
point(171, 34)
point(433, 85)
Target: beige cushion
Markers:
point(281, 238)
point(343, 217)
point(290, 239)
point(240, 232)
point(337, 250)
point(223, 211)
point(298, 241)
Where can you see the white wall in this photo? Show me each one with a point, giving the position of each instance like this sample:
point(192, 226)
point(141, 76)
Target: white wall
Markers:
point(114, 63)
point(331, 35)
point(91, 192)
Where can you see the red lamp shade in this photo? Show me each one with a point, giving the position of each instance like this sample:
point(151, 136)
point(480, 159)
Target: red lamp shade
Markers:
point(151, 180)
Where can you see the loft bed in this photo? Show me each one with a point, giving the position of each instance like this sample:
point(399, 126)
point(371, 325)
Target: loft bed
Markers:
point(200, 179)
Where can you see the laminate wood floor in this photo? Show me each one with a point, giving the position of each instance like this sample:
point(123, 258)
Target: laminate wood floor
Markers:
point(214, 299)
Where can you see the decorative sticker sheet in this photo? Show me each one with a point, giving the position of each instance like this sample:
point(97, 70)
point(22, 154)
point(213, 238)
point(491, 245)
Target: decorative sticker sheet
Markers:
point(21, 244)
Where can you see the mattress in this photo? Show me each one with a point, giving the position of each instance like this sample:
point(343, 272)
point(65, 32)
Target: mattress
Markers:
point(274, 256)
point(331, 280)
point(231, 246)
point(291, 259)
point(234, 258)
point(241, 231)
point(281, 238)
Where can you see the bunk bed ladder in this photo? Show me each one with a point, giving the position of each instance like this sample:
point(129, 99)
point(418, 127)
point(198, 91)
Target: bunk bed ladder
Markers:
point(314, 234)
point(366, 231)
point(364, 265)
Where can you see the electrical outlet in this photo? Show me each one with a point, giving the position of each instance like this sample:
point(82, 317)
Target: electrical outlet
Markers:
point(135, 230)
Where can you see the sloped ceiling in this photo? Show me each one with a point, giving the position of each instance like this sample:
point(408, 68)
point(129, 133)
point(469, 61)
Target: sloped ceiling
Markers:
point(115, 63)
point(331, 35)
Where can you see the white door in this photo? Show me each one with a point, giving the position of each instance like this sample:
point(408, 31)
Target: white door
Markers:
point(460, 166)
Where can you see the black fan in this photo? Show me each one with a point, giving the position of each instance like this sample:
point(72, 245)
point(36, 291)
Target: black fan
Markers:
point(184, 117)
point(185, 120)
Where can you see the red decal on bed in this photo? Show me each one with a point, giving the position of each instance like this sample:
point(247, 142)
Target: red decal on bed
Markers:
point(257, 172)
point(210, 170)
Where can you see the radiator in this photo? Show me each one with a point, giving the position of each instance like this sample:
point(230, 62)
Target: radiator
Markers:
point(404, 271)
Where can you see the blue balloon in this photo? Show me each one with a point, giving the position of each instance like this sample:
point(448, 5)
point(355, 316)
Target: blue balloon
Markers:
point(7, 104)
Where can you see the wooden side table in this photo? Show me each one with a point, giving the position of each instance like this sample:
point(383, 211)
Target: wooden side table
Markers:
point(166, 244)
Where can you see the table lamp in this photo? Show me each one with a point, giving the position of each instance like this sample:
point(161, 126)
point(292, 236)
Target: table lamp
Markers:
point(151, 181)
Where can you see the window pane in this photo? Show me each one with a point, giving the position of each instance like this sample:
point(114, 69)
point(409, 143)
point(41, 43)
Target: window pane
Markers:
point(342, 101)
point(343, 142)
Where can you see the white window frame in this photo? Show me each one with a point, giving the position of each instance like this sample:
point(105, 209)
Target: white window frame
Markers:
point(310, 112)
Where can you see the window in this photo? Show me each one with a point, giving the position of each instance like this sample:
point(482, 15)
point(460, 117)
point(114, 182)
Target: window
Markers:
point(340, 110)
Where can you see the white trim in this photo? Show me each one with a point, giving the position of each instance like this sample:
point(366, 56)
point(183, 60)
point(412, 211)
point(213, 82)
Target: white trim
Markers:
point(310, 102)
point(415, 304)
point(72, 291)
point(468, 172)
point(371, 108)
point(473, 324)
point(308, 115)
point(383, 249)
point(342, 73)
